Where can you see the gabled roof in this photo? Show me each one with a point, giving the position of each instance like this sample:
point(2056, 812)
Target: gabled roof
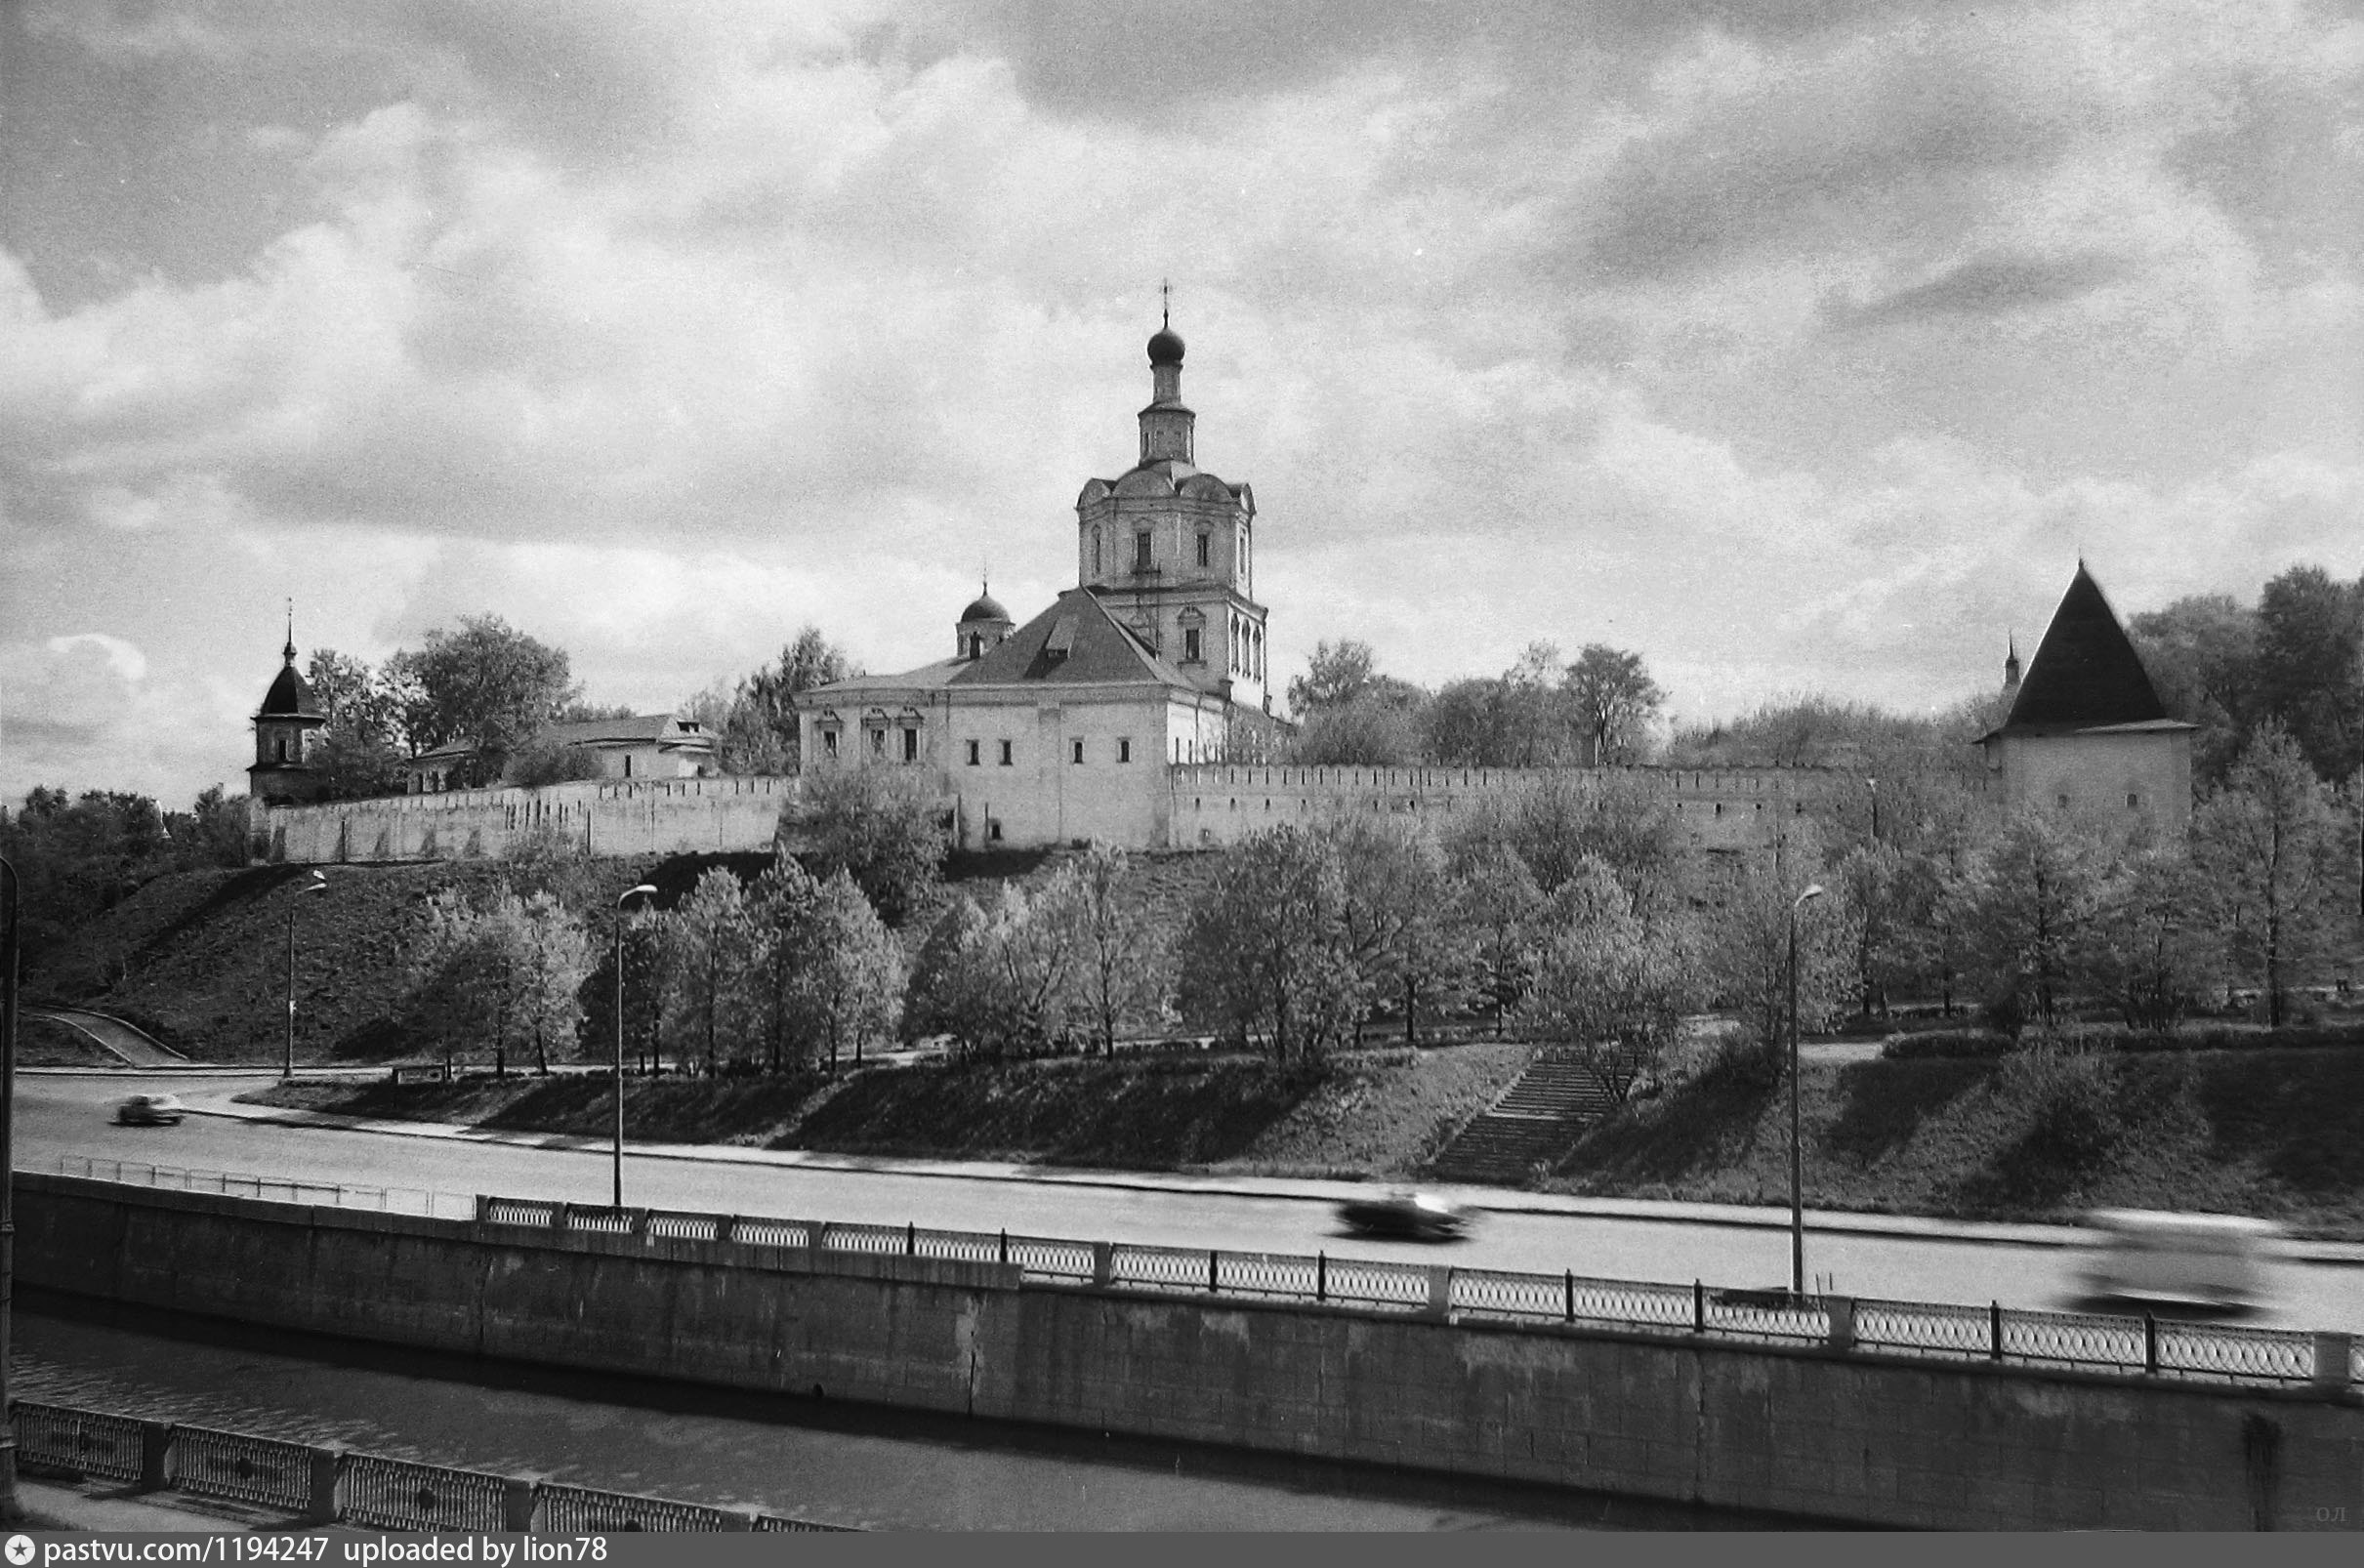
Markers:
point(636, 730)
point(1100, 650)
point(857, 687)
point(2085, 674)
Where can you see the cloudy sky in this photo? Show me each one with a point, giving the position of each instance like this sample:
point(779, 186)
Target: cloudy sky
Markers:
point(1799, 344)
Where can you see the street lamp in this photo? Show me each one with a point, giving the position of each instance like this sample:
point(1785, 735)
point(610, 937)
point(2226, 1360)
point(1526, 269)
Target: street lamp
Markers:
point(643, 890)
point(287, 1070)
point(1796, 1159)
point(1873, 785)
point(11, 1510)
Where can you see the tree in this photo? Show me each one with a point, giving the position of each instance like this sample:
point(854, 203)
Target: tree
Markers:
point(486, 684)
point(554, 960)
point(2270, 845)
point(1371, 731)
point(215, 831)
point(1399, 932)
point(950, 991)
point(850, 974)
point(1608, 982)
point(1878, 892)
point(545, 762)
point(780, 906)
point(360, 750)
point(507, 971)
point(757, 726)
point(883, 828)
point(2021, 912)
point(1338, 674)
point(2310, 666)
point(1496, 901)
point(1119, 955)
point(2149, 947)
point(1613, 701)
point(1266, 954)
point(1745, 954)
point(2201, 653)
point(712, 960)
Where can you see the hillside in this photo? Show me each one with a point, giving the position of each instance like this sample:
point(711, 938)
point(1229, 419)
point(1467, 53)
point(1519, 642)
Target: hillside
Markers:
point(199, 958)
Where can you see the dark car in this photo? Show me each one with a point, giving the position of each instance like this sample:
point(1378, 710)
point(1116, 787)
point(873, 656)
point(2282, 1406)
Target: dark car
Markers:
point(149, 1110)
point(1420, 1215)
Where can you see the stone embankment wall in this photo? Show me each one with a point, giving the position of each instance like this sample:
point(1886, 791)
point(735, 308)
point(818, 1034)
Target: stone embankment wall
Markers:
point(1825, 1434)
point(617, 817)
point(1715, 808)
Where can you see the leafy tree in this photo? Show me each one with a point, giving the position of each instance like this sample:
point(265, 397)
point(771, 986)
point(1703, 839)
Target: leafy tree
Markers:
point(781, 905)
point(548, 763)
point(1266, 954)
point(2310, 666)
point(1370, 731)
point(2271, 846)
point(1496, 901)
point(2201, 653)
point(554, 960)
point(1400, 931)
point(1607, 981)
point(1029, 953)
point(1613, 701)
point(360, 750)
point(1879, 893)
point(507, 971)
point(951, 989)
point(1119, 953)
point(216, 831)
point(2022, 910)
point(758, 726)
point(75, 859)
point(1746, 953)
point(2149, 947)
point(486, 684)
point(1338, 673)
point(850, 974)
point(883, 828)
point(713, 959)
point(1468, 724)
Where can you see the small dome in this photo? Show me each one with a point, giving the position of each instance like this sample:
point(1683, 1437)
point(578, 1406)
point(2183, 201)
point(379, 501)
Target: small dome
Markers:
point(985, 608)
point(289, 697)
point(1166, 347)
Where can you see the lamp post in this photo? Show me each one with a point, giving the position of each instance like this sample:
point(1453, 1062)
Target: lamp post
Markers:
point(643, 890)
point(1873, 785)
point(1797, 1159)
point(287, 1069)
point(11, 1510)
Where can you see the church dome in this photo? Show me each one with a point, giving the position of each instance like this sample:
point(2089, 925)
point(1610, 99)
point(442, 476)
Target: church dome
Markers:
point(289, 697)
point(1166, 347)
point(985, 608)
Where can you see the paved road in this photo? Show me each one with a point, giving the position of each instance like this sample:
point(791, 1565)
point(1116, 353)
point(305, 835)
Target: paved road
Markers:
point(2024, 1267)
point(111, 1033)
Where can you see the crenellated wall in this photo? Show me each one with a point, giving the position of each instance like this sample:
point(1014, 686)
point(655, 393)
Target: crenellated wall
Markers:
point(603, 817)
point(1205, 805)
point(1715, 808)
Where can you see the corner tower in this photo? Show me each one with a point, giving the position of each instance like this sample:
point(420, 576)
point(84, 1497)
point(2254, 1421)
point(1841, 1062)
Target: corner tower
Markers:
point(287, 729)
point(1170, 550)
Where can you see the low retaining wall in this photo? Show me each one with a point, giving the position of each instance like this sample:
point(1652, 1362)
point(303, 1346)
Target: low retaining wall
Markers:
point(608, 818)
point(1822, 1433)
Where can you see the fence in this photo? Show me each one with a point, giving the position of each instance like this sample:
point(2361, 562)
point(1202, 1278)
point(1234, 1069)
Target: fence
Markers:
point(278, 1189)
point(2144, 1346)
point(331, 1486)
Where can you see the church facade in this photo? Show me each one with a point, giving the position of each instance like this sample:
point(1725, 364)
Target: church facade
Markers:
point(1064, 729)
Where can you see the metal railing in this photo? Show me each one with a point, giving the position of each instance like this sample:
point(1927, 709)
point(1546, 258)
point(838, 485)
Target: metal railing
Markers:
point(2141, 1345)
point(333, 1486)
point(2086, 1342)
point(277, 1189)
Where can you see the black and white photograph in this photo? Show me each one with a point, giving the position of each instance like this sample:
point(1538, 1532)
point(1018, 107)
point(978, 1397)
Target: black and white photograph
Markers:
point(1077, 766)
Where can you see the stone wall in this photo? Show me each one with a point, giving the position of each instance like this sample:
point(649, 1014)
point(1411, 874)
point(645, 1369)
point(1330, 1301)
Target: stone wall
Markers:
point(603, 817)
point(1840, 1435)
point(1715, 808)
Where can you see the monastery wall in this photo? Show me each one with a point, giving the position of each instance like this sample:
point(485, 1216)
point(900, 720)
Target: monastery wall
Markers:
point(603, 817)
point(1716, 808)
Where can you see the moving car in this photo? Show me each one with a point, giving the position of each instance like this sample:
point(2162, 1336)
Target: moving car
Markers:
point(2211, 1260)
point(1421, 1215)
point(150, 1110)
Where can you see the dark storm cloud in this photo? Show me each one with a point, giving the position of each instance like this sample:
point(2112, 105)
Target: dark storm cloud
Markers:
point(1985, 286)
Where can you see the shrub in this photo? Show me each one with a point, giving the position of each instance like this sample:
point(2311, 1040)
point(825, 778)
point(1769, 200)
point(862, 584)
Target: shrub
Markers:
point(2069, 1094)
point(1946, 1042)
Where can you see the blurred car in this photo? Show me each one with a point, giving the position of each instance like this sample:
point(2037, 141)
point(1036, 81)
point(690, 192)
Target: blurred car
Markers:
point(150, 1110)
point(1419, 1216)
point(2209, 1261)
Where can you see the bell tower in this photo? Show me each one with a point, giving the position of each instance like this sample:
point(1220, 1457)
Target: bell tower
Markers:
point(287, 729)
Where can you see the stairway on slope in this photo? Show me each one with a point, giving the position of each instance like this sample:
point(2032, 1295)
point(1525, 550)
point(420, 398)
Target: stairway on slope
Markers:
point(1532, 1122)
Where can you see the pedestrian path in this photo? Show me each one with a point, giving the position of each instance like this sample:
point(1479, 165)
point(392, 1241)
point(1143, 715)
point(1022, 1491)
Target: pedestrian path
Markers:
point(108, 1506)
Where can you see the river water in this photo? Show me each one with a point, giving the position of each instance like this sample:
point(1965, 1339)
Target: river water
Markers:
point(830, 1461)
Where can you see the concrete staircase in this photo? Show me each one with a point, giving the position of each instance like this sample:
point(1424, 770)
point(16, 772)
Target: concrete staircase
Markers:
point(1532, 1121)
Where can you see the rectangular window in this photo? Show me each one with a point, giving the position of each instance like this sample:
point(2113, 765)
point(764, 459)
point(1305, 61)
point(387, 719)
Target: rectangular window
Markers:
point(972, 753)
point(1005, 753)
point(1140, 551)
point(1189, 645)
point(2135, 801)
point(1205, 545)
point(993, 830)
point(1076, 752)
point(910, 744)
point(1124, 748)
point(829, 743)
point(878, 744)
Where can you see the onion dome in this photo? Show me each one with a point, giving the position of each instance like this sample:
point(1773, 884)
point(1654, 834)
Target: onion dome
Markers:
point(1166, 347)
point(985, 607)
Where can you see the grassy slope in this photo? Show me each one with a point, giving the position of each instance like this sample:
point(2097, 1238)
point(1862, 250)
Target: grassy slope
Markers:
point(2272, 1133)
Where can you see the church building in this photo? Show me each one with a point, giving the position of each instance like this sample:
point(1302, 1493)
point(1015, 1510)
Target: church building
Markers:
point(2086, 734)
point(1061, 730)
point(287, 727)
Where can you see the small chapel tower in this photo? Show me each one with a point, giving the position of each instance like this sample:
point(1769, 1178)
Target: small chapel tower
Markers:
point(287, 729)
